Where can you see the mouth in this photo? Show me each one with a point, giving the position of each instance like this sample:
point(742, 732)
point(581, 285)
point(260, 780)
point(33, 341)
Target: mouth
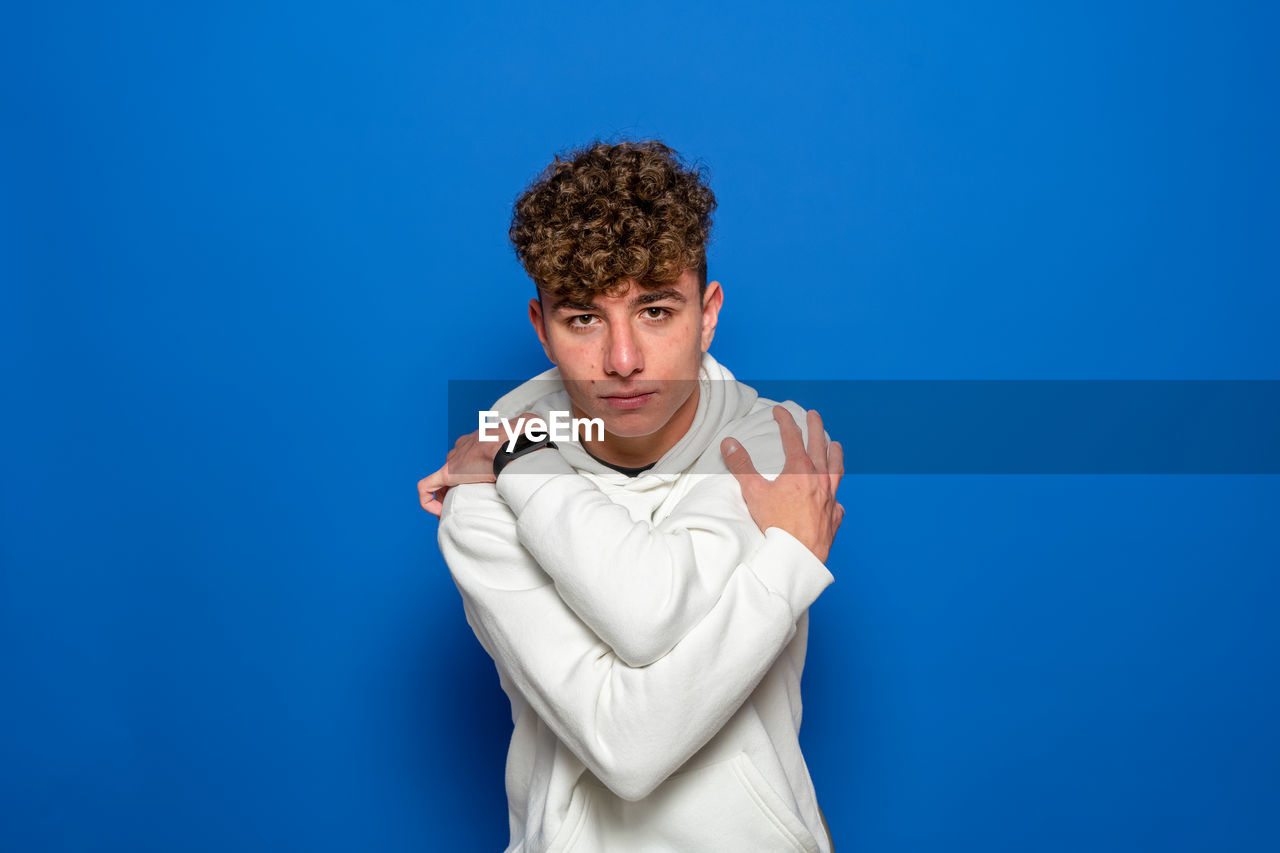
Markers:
point(628, 400)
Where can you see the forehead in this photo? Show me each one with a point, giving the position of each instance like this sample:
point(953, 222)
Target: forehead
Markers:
point(683, 289)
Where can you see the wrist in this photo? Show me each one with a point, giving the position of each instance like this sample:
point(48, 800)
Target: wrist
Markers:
point(790, 569)
point(523, 447)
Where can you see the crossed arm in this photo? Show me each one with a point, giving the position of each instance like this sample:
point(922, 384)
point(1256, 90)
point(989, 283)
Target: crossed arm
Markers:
point(632, 726)
point(635, 698)
point(640, 586)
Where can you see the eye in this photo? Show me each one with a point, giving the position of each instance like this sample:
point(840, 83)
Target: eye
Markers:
point(662, 314)
point(581, 321)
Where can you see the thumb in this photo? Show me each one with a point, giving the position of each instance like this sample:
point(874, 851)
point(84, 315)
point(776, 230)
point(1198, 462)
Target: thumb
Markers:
point(738, 461)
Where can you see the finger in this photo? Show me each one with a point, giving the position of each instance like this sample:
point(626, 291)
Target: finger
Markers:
point(817, 440)
point(835, 465)
point(432, 499)
point(428, 485)
point(739, 463)
point(792, 439)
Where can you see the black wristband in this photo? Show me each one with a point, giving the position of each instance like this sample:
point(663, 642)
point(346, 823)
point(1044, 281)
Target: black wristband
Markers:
point(523, 447)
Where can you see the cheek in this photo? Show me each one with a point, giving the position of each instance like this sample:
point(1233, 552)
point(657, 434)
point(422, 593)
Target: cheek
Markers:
point(684, 361)
point(576, 357)
point(676, 343)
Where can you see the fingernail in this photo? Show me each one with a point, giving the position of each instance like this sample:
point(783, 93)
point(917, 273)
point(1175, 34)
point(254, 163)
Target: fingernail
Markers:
point(732, 447)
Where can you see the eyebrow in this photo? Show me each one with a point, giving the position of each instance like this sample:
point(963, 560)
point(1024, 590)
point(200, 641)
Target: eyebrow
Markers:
point(659, 295)
point(561, 304)
point(645, 298)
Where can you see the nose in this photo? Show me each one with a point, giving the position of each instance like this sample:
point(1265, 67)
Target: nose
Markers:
point(622, 352)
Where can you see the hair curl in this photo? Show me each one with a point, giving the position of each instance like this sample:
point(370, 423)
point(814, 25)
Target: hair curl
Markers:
point(608, 213)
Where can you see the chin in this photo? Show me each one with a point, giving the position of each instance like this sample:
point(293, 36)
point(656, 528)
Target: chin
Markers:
point(632, 426)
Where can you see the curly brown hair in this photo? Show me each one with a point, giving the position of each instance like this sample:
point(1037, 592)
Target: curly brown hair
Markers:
point(608, 213)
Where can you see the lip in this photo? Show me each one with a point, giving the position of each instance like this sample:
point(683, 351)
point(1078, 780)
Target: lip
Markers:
point(629, 401)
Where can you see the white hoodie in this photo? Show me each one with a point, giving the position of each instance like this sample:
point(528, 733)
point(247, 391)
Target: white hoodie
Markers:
point(649, 636)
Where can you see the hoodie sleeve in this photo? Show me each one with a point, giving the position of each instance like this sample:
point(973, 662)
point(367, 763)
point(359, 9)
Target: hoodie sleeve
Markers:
point(641, 587)
point(632, 726)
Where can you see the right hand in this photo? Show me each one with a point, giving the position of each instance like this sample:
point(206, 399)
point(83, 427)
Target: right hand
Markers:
point(802, 500)
point(470, 461)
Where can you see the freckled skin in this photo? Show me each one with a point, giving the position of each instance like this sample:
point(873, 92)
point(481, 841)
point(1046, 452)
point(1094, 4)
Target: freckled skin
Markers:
point(624, 347)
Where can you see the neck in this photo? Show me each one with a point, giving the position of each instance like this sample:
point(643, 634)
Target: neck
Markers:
point(637, 451)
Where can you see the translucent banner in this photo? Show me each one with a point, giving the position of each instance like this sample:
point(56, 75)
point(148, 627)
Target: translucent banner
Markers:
point(1012, 426)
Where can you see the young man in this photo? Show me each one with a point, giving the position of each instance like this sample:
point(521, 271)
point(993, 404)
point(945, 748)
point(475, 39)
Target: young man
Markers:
point(643, 592)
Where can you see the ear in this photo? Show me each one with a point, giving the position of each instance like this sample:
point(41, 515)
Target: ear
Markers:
point(712, 299)
point(540, 327)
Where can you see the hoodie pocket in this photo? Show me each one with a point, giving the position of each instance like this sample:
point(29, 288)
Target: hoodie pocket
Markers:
point(727, 806)
point(566, 837)
point(771, 805)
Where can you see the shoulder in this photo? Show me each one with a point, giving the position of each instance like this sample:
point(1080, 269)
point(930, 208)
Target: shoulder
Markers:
point(479, 542)
point(472, 501)
point(473, 515)
point(758, 432)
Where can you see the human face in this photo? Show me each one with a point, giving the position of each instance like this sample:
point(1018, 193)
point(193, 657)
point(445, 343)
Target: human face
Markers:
point(632, 360)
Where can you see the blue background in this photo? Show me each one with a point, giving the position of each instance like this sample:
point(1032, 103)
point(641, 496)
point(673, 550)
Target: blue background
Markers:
point(245, 246)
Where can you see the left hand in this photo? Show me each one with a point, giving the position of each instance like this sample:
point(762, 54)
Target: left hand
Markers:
point(470, 461)
point(804, 506)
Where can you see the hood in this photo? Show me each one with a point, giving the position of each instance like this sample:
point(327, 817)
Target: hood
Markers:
point(721, 400)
